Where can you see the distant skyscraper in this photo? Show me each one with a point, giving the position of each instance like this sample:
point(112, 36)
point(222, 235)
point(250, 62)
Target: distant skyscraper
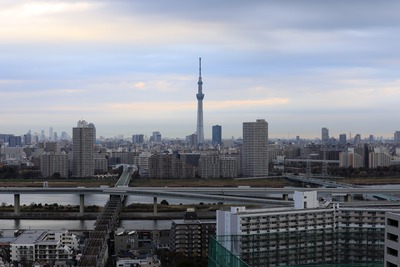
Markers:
point(342, 139)
point(51, 136)
point(200, 96)
point(156, 137)
point(217, 134)
point(255, 148)
point(28, 138)
point(397, 137)
point(325, 135)
point(357, 139)
point(82, 150)
point(138, 138)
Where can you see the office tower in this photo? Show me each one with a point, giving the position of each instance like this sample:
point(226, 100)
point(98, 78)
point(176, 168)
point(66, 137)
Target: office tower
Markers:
point(200, 96)
point(325, 135)
point(357, 139)
point(82, 150)
point(64, 135)
point(342, 139)
point(217, 135)
point(14, 141)
point(255, 148)
point(156, 137)
point(397, 137)
point(28, 138)
point(51, 136)
point(138, 138)
point(42, 135)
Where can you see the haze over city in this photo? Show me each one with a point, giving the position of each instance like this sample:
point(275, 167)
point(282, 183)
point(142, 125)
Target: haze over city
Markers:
point(132, 66)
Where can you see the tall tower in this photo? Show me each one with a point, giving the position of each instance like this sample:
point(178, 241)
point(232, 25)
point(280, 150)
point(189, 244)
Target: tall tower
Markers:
point(82, 150)
point(325, 134)
point(255, 148)
point(217, 135)
point(200, 96)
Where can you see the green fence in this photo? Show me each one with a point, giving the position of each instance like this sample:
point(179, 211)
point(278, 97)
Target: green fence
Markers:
point(332, 248)
point(219, 256)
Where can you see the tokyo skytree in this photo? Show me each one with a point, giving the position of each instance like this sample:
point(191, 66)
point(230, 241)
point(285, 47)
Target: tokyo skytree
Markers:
point(200, 96)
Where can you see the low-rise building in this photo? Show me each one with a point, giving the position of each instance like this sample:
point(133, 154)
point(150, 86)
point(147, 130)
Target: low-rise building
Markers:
point(44, 246)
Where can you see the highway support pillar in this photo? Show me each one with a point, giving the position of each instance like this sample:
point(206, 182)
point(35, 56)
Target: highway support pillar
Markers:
point(154, 205)
point(17, 205)
point(81, 203)
point(347, 198)
point(285, 197)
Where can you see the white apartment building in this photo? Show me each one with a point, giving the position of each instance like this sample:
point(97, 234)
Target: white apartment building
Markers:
point(143, 163)
point(378, 159)
point(308, 233)
point(44, 246)
point(392, 242)
point(350, 158)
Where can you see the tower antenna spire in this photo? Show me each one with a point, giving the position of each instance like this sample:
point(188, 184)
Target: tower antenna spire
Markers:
point(199, 66)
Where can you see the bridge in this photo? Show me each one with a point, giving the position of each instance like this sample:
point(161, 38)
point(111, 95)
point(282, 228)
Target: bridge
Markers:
point(253, 195)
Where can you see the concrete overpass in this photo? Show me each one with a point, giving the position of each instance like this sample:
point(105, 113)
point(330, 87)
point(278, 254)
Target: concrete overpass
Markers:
point(253, 195)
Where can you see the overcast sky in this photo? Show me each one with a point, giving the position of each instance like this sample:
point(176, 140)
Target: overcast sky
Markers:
point(132, 66)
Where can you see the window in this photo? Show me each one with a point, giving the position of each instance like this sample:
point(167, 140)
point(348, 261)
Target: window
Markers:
point(389, 264)
point(392, 251)
point(392, 222)
point(392, 237)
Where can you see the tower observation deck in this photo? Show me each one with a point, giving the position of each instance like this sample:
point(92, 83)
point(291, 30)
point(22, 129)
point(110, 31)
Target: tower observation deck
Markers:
point(200, 97)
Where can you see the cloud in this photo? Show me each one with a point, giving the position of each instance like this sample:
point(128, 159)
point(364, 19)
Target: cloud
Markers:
point(139, 85)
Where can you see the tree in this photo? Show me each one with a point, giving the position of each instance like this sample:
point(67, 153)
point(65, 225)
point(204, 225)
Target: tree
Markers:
point(164, 202)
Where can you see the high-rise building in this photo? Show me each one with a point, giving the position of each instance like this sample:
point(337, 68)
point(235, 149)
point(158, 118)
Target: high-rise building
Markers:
point(156, 137)
point(357, 139)
point(51, 134)
point(325, 134)
point(28, 138)
point(217, 135)
point(397, 137)
point(138, 138)
point(82, 150)
point(200, 97)
point(91, 125)
point(255, 148)
point(342, 139)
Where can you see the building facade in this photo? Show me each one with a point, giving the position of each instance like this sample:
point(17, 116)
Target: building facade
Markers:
point(217, 135)
point(255, 148)
point(190, 236)
point(51, 163)
point(325, 135)
point(392, 242)
point(82, 150)
point(309, 233)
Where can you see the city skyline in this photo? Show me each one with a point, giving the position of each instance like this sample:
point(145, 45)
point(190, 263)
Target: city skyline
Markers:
point(131, 67)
